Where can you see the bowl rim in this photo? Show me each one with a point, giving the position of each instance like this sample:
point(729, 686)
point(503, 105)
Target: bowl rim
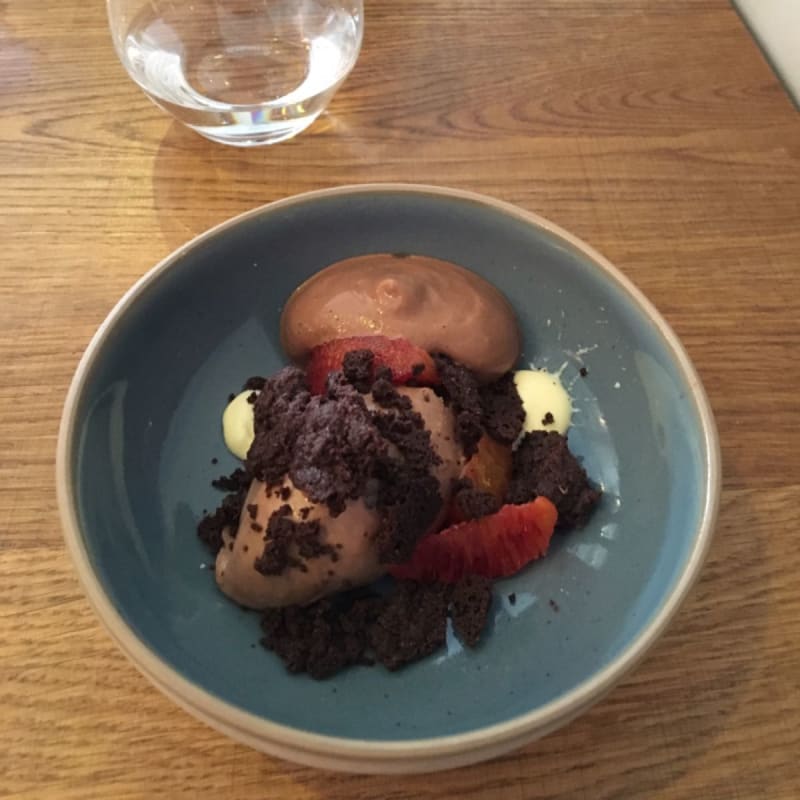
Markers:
point(309, 747)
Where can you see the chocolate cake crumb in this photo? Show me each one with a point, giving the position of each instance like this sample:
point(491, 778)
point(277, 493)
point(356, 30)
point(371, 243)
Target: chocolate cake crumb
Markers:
point(548, 419)
point(543, 465)
point(583, 372)
point(256, 527)
point(363, 628)
point(238, 479)
point(336, 447)
point(458, 387)
point(252, 510)
point(285, 493)
point(254, 384)
point(417, 370)
point(231, 397)
point(290, 543)
point(404, 491)
point(321, 638)
point(503, 414)
point(277, 416)
point(512, 598)
point(410, 625)
point(473, 503)
point(215, 460)
point(357, 369)
point(226, 515)
point(383, 374)
point(385, 394)
point(552, 603)
point(470, 601)
point(304, 512)
point(327, 444)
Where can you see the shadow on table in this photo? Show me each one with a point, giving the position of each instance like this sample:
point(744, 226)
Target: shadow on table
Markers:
point(198, 183)
point(652, 729)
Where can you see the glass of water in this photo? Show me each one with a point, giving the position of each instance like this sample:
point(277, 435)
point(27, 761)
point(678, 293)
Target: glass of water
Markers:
point(241, 72)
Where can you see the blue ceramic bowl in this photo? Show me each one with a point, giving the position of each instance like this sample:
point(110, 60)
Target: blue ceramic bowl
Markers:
point(141, 425)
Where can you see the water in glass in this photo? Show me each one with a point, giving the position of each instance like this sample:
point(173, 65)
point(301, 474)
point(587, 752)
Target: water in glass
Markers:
point(243, 72)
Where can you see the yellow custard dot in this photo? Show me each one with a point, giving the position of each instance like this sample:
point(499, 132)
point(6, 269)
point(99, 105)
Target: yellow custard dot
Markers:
point(545, 401)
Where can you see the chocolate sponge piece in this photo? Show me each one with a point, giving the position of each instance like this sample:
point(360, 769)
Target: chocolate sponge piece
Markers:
point(469, 608)
point(327, 444)
point(322, 638)
point(397, 629)
point(473, 503)
point(458, 387)
point(411, 624)
point(278, 416)
point(502, 411)
point(543, 465)
point(211, 526)
point(336, 448)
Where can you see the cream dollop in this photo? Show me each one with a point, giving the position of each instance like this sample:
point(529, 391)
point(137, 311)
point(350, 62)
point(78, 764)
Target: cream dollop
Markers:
point(542, 394)
point(237, 424)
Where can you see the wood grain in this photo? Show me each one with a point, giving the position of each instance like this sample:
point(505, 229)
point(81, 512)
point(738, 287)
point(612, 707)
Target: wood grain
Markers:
point(654, 130)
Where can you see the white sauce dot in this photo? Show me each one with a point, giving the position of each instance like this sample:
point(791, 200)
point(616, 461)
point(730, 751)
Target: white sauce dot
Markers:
point(237, 425)
point(542, 394)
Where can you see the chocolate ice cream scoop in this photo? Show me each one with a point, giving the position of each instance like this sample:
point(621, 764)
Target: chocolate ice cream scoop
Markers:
point(320, 553)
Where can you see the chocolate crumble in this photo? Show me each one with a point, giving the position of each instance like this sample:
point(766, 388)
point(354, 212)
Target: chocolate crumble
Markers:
point(410, 625)
point(471, 598)
point(543, 465)
point(290, 543)
point(227, 514)
point(336, 448)
point(278, 415)
point(254, 384)
point(364, 628)
point(548, 419)
point(327, 444)
point(503, 414)
point(321, 638)
point(458, 387)
point(357, 369)
point(404, 491)
point(583, 372)
point(238, 479)
point(473, 503)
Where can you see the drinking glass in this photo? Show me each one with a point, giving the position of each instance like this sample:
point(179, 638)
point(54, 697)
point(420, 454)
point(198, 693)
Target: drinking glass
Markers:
point(241, 72)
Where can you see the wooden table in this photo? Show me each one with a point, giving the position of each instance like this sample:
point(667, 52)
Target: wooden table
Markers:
point(655, 131)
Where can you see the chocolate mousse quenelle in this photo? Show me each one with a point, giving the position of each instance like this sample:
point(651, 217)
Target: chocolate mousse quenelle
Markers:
point(436, 305)
point(397, 443)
